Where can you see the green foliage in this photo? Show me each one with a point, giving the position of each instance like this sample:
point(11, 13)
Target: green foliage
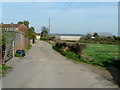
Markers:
point(17, 55)
point(44, 32)
point(69, 54)
point(98, 58)
point(96, 34)
point(101, 47)
point(30, 34)
point(4, 67)
point(20, 22)
point(47, 38)
point(107, 38)
point(3, 39)
point(88, 37)
point(26, 23)
point(74, 47)
point(28, 46)
point(116, 38)
point(101, 58)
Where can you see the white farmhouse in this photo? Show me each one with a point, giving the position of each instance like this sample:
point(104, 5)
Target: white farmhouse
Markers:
point(37, 36)
point(69, 37)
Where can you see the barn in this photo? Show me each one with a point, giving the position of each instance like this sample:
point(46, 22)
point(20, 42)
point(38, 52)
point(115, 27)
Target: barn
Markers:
point(68, 37)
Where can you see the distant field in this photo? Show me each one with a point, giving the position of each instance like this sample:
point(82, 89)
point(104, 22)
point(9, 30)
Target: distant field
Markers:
point(101, 54)
point(101, 47)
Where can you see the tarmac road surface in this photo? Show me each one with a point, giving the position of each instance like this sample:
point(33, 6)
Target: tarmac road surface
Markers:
point(43, 67)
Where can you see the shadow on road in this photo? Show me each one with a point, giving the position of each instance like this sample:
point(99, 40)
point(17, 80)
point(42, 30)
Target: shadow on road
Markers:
point(114, 70)
point(115, 74)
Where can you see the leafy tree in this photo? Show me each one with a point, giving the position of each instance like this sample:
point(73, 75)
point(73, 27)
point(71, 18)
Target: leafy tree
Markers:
point(20, 22)
point(33, 29)
point(116, 38)
point(31, 34)
point(88, 37)
point(95, 34)
point(97, 37)
point(44, 32)
point(26, 23)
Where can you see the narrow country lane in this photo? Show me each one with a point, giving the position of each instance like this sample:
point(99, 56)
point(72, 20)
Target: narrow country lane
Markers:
point(43, 67)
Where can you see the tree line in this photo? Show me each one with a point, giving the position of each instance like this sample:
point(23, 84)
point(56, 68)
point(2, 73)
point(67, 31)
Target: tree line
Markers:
point(105, 39)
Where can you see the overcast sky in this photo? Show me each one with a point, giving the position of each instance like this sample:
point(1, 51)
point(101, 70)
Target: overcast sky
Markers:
point(66, 17)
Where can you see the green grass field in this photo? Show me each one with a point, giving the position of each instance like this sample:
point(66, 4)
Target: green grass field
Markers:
point(101, 54)
point(101, 47)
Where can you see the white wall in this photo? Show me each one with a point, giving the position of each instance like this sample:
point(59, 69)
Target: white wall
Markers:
point(73, 38)
point(57, 37)
point(37, 37)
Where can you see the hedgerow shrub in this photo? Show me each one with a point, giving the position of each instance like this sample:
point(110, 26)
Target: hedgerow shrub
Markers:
point(47, 38)
point(28, 46)
point(77, 48)
point(68, 54)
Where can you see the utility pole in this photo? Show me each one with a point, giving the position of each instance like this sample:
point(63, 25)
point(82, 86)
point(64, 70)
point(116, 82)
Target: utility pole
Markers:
point(49, 26)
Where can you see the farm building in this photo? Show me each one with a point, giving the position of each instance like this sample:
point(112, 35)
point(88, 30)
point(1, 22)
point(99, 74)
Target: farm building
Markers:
point(14, 35)
point(37, 36)
point(69, 37)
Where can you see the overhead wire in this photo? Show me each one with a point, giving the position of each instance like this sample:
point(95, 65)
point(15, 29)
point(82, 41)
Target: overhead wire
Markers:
point(68, 6)
point(64, 10)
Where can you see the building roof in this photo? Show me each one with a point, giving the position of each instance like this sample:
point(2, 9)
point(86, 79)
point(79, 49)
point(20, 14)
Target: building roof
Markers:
point(38, 34)
point(70, 34)
point(10, 25)
point(21, 27)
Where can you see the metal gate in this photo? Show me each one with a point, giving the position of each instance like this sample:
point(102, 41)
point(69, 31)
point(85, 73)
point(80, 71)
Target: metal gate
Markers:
point(9, 50)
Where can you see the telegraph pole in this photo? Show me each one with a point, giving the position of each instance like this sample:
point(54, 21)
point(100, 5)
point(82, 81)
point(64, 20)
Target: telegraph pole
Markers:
point(49, 26)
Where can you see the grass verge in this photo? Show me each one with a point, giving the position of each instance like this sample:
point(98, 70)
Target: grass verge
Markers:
point(28, 47)
point(3, 69)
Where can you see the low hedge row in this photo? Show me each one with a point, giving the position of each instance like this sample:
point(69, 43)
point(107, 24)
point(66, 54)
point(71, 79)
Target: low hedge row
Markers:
point(47, 38)
point(74, 51)
point(70, 54)
point(77, 48)
point(100, 42)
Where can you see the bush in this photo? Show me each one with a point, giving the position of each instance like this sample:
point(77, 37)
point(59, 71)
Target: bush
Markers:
point(4, 67)
point(17, 55)
point(69, 54)
point(77, 48)
point(70, 50)
point(28, 46)
point(47, 38)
